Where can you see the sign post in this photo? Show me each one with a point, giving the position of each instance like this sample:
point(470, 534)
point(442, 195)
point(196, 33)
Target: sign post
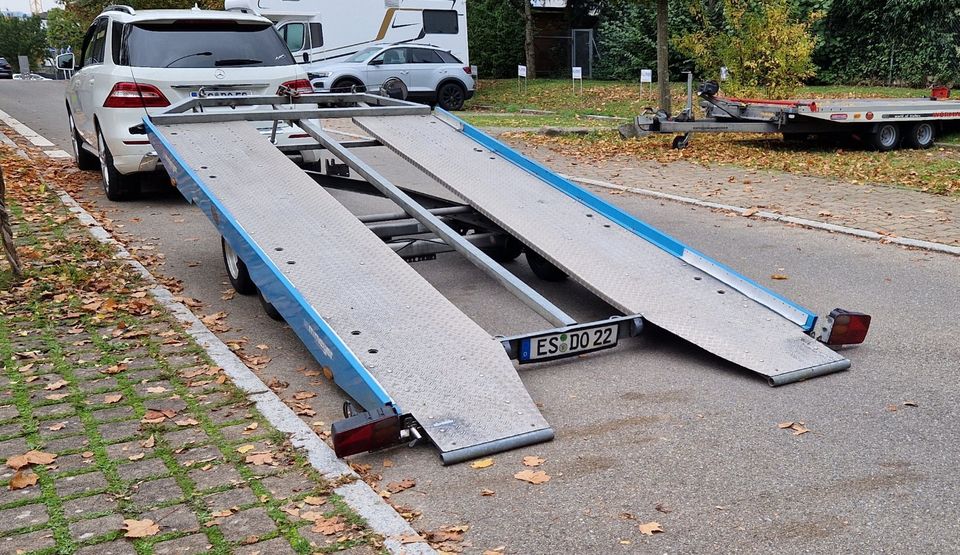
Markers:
point(24, 62)
point(724, 73)
point(646, 76)
point(522, 78)
point(577, 76)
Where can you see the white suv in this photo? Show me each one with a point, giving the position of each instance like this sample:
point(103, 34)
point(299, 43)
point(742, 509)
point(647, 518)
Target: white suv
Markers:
point(427, 73)
point(138, 63)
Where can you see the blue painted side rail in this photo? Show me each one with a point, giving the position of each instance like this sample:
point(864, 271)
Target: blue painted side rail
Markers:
point(319, 338)
point(793, 312)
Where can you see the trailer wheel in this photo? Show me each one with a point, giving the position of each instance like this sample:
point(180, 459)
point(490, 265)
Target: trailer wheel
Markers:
point(680, 142)
point(922, 135)
point(236, 270)
point(269, 309)
point(543, 268)
point(510, 250)
point(886, 137)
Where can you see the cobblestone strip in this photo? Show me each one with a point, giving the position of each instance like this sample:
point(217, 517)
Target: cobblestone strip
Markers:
point(139, 424)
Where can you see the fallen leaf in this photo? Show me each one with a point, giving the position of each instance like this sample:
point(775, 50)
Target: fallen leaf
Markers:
point(779, 277)
point(750, 212)
point(57, 427)
point(411, 538)
point(260, 458)
point(136, 457)
point(799, 429)
point(663, 508)
point(252, 426)
point(387, 463)
point(314, 500)
point(263, 347)
point(650, 528)
point(329, 526)
point(112, 398)
point(487, 492)
point(532, 476)
point(87, 455)
point(153, 417)
point(56, 396)
point(245, 448)
point(140, 528)
point(483, 463)
point(30, 457)
point(252, 539)
point(397, 487)
point(533, 461)
point(23, 479)
point(187, 422)
point(222, 514)
point(910, 404)
point(301, 395)
point(56, 385)
point(785, 425)
point(149, 442)
point(157, 389)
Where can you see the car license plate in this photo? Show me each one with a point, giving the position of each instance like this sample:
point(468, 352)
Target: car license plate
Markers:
point(571, 343)
point(221, 94)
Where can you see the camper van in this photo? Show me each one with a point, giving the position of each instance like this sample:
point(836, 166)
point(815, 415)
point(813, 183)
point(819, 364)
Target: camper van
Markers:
point(333, 30)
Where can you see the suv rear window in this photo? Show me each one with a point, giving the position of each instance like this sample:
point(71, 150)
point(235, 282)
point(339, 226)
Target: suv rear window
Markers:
point(205, 44)
point(449, 58)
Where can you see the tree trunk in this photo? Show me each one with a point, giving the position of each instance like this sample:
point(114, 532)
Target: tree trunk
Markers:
point(663, 55)
point(6, 234)
point(528, 46)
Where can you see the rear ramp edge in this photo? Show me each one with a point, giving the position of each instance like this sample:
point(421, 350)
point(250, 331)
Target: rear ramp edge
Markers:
point(498, 446)
point(808, 373)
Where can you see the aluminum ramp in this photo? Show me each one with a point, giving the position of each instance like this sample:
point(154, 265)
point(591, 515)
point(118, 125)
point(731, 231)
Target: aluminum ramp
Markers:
point(396, 340)
point(630, 265)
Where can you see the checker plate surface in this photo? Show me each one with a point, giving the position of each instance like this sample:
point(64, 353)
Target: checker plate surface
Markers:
point(434, 361)
point(613, 262)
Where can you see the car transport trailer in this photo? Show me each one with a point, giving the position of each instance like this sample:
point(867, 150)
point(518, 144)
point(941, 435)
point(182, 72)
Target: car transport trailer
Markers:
point(884, 124)
point(416, 366)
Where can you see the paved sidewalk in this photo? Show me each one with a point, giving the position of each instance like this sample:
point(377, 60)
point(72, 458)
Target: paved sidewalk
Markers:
point(118, 435)
point(885, 210)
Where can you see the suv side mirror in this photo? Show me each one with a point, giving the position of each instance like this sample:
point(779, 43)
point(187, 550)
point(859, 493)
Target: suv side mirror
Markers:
point(376, 62)
point(65, 62)
point(306, 57)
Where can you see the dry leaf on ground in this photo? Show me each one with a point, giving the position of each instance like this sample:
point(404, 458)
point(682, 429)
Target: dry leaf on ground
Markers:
point(23, 479)
point(533, 461)
point(798, 427)
point(245, 448)
point(56, 385)
point(487, 492)
point(112, 398)
point(260, 458)
point(301, 395)
point(483, 463)
point(779, 277)
point(329, 526)
point(140, 528)
point(650, 528)
point(397, 487)
point(149, 442)
point(314, 500)
point(30, 457)
point(532, 476)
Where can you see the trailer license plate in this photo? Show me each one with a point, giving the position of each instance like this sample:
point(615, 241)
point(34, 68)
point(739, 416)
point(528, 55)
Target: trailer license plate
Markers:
point(571, 343)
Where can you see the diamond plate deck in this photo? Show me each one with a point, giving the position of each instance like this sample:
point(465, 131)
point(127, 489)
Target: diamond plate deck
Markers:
point(434, 361)
point(612, 261)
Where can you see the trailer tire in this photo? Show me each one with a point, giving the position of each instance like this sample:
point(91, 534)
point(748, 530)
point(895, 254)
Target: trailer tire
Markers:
point(510, 250)
point(886, 137)
point(269, 309)
point(236, 270)
point(922, 135)
point(543, 268)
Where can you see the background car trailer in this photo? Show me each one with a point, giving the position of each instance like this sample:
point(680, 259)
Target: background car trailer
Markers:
point(416, 366)
point(885, 124)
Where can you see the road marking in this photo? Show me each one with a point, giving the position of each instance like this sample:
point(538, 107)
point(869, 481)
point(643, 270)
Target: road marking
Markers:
point(25, 131)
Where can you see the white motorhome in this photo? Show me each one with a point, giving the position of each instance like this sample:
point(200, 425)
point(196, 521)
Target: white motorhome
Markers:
point(332, 30)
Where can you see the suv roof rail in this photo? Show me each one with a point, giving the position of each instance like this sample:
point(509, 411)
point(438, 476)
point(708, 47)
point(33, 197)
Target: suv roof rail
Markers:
point(120, 8)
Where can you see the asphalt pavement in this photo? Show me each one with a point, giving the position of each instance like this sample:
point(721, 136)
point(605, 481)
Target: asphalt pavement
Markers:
point(657, 430)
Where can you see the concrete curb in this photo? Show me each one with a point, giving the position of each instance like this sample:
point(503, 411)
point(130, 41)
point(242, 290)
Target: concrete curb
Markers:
point(359, 496)
point(773, 216)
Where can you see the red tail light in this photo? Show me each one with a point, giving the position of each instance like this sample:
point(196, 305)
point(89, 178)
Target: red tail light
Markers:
point(135, 95)
point(844, 327)
point(300, 86)
point(362, 433)
point(468, 70)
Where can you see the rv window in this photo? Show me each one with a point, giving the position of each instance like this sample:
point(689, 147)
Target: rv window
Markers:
point(293, 35)
point(424, 56)
point(441, 22)
point(316, 34)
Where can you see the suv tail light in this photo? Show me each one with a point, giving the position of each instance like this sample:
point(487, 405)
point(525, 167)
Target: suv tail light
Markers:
point(135, 95)
point(844, 327)
point(468, 70)
point(299, 86)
